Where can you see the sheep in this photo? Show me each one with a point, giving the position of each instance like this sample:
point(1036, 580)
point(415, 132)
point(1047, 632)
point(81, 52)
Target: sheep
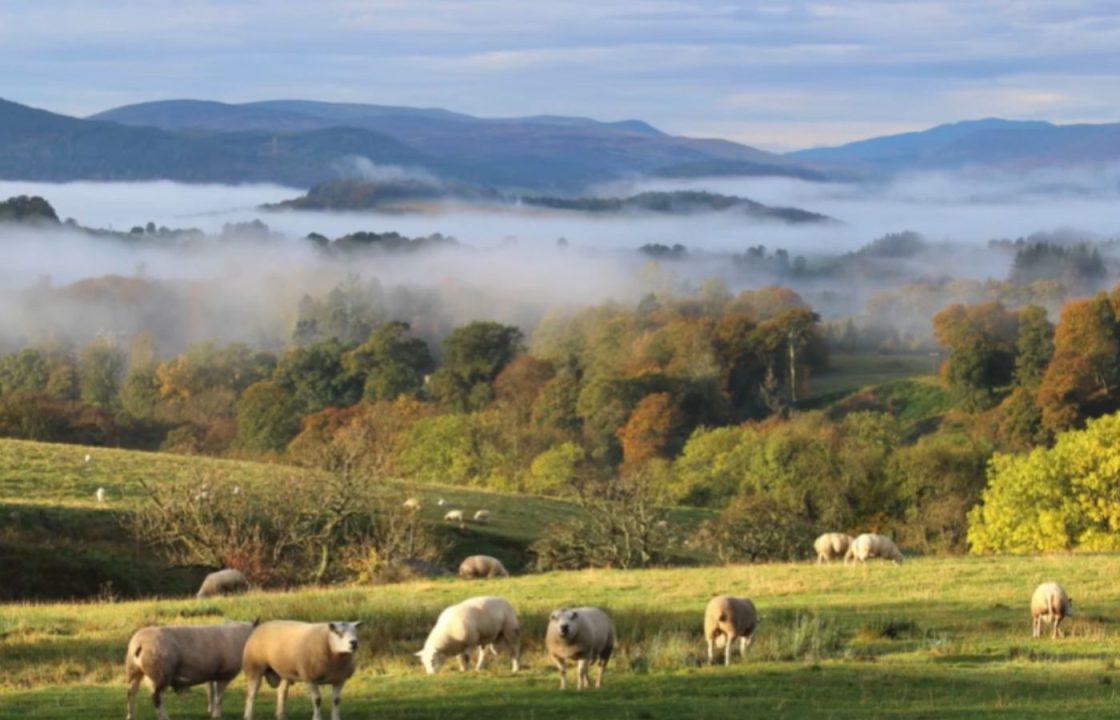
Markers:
point(482, 517)
point(832, 546)
point(181, 656)
point(870, 545)
point(480, 622)
point(88, 458)
point(583, 634)
point(453, 516)
point(1051, 604)
point(662, 525)
point(411, 505)
point(441, 502)
point(100, 495)
point(482, 566)
point(727, 618)
point(223, 582)
point(286, 651)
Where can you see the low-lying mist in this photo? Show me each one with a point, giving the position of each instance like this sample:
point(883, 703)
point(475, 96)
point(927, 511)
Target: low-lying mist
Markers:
point(63, 284)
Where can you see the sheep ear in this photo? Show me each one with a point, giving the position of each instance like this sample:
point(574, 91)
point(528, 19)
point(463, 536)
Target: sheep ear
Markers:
point(419, 653)
point(333, 627)
point(574, 615)
point(256, 621)
point(356, 623)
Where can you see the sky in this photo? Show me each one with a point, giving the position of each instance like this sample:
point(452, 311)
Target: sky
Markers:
point(775, 75)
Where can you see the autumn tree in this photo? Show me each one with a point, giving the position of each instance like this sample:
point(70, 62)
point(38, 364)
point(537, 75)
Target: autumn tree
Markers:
point(650, 431)
point(980, 340)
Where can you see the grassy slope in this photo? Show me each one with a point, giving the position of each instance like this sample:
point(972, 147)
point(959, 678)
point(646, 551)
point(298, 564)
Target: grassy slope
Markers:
point(934, 638)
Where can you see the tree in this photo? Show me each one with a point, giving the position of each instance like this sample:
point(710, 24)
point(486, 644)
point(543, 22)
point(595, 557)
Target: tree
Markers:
point(710, 467)
point(316, 377)
point(23, 371)
point(650, 431)
point(392, 362)
point(556, 471)
point(1034, 346)
point(1062, 498)
point(101, 368)
point(472, 357)
point(266, 419)
point(981, 340)
point(1083, 378)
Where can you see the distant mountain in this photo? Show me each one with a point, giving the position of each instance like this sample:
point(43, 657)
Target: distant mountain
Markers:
point(679, 202)
point(990, 143)
point(545, 152)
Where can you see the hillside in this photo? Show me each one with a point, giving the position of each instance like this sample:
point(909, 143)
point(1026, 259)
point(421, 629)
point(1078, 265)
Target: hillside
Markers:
point(538, 152)
point(991, 143)
point(933, 638)
point(57, 541)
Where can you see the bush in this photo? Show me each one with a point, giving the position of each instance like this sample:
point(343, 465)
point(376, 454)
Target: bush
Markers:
point(755, 528)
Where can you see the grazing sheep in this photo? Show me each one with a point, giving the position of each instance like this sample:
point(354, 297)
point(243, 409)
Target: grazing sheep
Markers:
point(832, 546)
point(181, 656)
point(482, 517)
point(412, 504)
point(482, 566)
point(725, 619)
point(441, 502)
point(583, 634)
point(100, 495)
point(454, 516)
point(1051, 604)
point(870, 545)
point(88, 458)
point(286, 651)
point(223, 582)
point(480, 622)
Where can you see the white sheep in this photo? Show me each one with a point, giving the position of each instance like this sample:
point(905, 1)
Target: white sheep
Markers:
point(725, 619)
point(482, 517)
point(88, 458)
point(455, 516)
point(583, 634)
point(100, 495)
point(482, 566)
point(870, 545)
point(832, 546)
point(286, 651)
point(223, 582)
point(441, 502)
point(182, 656)
point(411, 505)
point(1051, 604)
point(480, 622)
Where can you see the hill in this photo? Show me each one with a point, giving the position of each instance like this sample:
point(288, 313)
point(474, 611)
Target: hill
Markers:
point(991, 143)
point(932, 638)
point(539, 152)
point(680, 202)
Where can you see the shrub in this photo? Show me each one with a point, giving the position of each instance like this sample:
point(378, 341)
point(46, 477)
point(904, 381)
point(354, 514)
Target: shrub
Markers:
point(755, 528)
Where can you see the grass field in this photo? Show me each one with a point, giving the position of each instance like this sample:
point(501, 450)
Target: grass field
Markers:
point(934, 638)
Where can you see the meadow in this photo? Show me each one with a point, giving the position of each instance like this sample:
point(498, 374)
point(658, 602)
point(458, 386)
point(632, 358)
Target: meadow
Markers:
point(932, 638)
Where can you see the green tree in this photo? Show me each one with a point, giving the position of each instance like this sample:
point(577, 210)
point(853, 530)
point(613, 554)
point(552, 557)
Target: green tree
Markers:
point(472, 357)
point(315, 377)
point(101, 369)
point(266, 419)
point(981, 340)
point(556, 471)
point(392, 362)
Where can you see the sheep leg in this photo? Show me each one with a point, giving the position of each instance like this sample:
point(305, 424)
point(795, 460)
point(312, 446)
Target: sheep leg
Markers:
point(282, 700)
point(219, 690)
point(562, 666)
point(1057, 627)
point(157, 700)
point(581, 670)
point(744, 643)
point(252, 685)
point(210, 699)
point(481, 657)
point(599, 672)
point(316, 700)
point(336, 702)
point(729, 640)
point(1036, 627)
point(133, 689)
point(464, 660)
point(515, 653)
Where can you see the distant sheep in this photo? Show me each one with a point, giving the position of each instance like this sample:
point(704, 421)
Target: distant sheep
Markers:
point(725, 619)
point(285, 651)
point(662, 525)
point(182, 656)
point(870, 545)
point(832, 546)
point(412, 504)
point(480, 622)
point(441, 502)
point(482, 566)
point(1049, 604)
point(455, 516)
point(482, 517)
point(223, 582)
point(100, 495)
point(583, 634)
point(88, 458)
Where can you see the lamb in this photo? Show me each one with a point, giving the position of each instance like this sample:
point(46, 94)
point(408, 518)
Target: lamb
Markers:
point(481, 622)
point(223, 582)
point(725, 619)
point(100, 495)
point(441, 502)
point(832, 546)
point(482, 517)
point(482, 566)
point(583, 634)
point(870, 545)
point(1051, 604)
point(412, 504)
point(454, 516)
point(286, 651)
point(181, 656)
